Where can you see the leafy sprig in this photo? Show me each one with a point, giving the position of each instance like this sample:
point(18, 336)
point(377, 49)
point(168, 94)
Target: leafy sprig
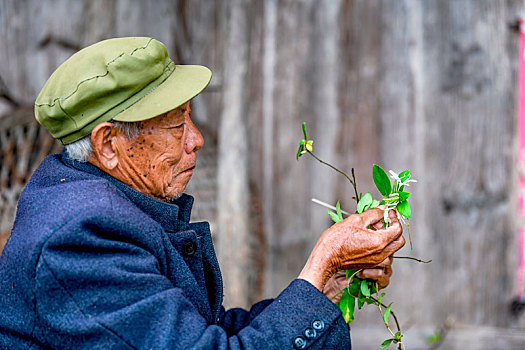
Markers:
point(394, 195)
point(359, 291)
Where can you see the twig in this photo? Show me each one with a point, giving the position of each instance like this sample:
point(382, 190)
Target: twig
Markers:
point(326, 205)
point(409, 235)
point(393, 315)
point(411, 258)
point(400, 347)
point(340, 172)
point(335, 296)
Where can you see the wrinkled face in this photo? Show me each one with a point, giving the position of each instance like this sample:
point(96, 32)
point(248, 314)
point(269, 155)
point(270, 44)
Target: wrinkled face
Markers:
point(160, 161)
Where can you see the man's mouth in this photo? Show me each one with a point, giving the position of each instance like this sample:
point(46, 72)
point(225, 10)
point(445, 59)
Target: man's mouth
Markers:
point(189, 169)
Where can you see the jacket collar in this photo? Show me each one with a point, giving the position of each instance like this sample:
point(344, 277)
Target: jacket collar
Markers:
point(172, 216)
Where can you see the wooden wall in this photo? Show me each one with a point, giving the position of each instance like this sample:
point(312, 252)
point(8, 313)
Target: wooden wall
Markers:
point(425, 85)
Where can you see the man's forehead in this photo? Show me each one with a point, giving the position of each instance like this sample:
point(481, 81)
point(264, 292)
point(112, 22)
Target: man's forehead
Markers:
point(175, 115)
point(180, 110)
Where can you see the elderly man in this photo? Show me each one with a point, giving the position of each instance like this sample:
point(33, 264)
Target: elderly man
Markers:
point(102, 254)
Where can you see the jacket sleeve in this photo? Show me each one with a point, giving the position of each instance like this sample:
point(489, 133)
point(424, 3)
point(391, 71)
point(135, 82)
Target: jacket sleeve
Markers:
point(236, 319)
point(97, 287)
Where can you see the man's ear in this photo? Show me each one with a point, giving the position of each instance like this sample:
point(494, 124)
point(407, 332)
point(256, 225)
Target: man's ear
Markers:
point(103, 137)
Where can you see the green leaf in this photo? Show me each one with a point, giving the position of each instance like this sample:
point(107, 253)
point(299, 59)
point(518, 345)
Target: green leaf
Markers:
point(370, 301)
point(301, 148)
point(372, 286)
point(360, 303)
point(398, 336)
point(304, 131)
point(404, 209)
point(381, 180)
point(347, 306)
point(386, 343)
point(338, 209)
point(387, 314)
point(404, 175)
point(374, 204)
point(360, 297)
point(355, 286)
point(403, 196)
point(334, 216)
point(434, 338)
point(381, 297)
point(350, 273)
point(365, 201)
point(365, 289)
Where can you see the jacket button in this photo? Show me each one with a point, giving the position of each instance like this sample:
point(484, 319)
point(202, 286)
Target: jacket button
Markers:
point(299, 343)
point(189, 248)
point(310, 333)
point(318, 325)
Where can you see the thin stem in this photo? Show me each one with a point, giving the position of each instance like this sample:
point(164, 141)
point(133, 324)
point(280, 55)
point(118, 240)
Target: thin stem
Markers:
point(355, 186)
point(386, 325)
point(411, 258)
point(351, 278)
point(347, 285)
point(340, 172)
point(409, 235)
point(391, 313)
point(326, 205)
point(335, 296)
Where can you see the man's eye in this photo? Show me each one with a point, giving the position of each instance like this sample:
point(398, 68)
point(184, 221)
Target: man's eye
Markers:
point(178, 126)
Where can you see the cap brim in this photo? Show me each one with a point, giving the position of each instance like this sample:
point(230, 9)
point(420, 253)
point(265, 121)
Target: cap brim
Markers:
point(186, 82)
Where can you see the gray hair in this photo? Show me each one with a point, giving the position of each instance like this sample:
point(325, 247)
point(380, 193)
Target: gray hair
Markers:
point(82, 149)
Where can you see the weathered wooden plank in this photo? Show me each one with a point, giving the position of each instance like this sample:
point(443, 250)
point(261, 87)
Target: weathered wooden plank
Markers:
point(468, 119)
point(403, 133)
point(233, 188)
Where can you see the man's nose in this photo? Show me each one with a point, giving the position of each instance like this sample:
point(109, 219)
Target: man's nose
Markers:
point(195, 140)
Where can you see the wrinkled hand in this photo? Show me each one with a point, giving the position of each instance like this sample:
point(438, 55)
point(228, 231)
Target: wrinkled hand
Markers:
point(350, 245)
point(381, 273)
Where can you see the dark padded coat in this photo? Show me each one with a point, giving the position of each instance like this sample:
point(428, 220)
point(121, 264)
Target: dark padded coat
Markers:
point(94, 264)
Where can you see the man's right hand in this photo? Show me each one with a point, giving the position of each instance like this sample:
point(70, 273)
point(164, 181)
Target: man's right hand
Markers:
point(350, 245)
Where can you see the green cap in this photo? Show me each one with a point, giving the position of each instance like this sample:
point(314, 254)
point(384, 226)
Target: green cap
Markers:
point(123, 79)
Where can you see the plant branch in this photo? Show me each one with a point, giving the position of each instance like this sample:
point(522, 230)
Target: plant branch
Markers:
point(391, 312)
point(340, 172)
point(335, 296)
point(409, 235)
point(400, 344)
point(411, 258)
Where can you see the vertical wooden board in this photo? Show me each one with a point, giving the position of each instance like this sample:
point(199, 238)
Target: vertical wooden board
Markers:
point(358, 143)
point(306, 83)
point(468, 122)
point(256, 165)
point(197, 38)
point(288, 209)
point(145, 18)
point(325, 111)
point(99, 21)
point(233, 242)
point(402, 144)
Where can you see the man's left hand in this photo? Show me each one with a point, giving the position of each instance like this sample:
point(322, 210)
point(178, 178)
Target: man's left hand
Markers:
point(381, 273)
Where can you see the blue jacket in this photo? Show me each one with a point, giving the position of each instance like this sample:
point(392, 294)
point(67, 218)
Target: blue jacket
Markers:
point(93, 264)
